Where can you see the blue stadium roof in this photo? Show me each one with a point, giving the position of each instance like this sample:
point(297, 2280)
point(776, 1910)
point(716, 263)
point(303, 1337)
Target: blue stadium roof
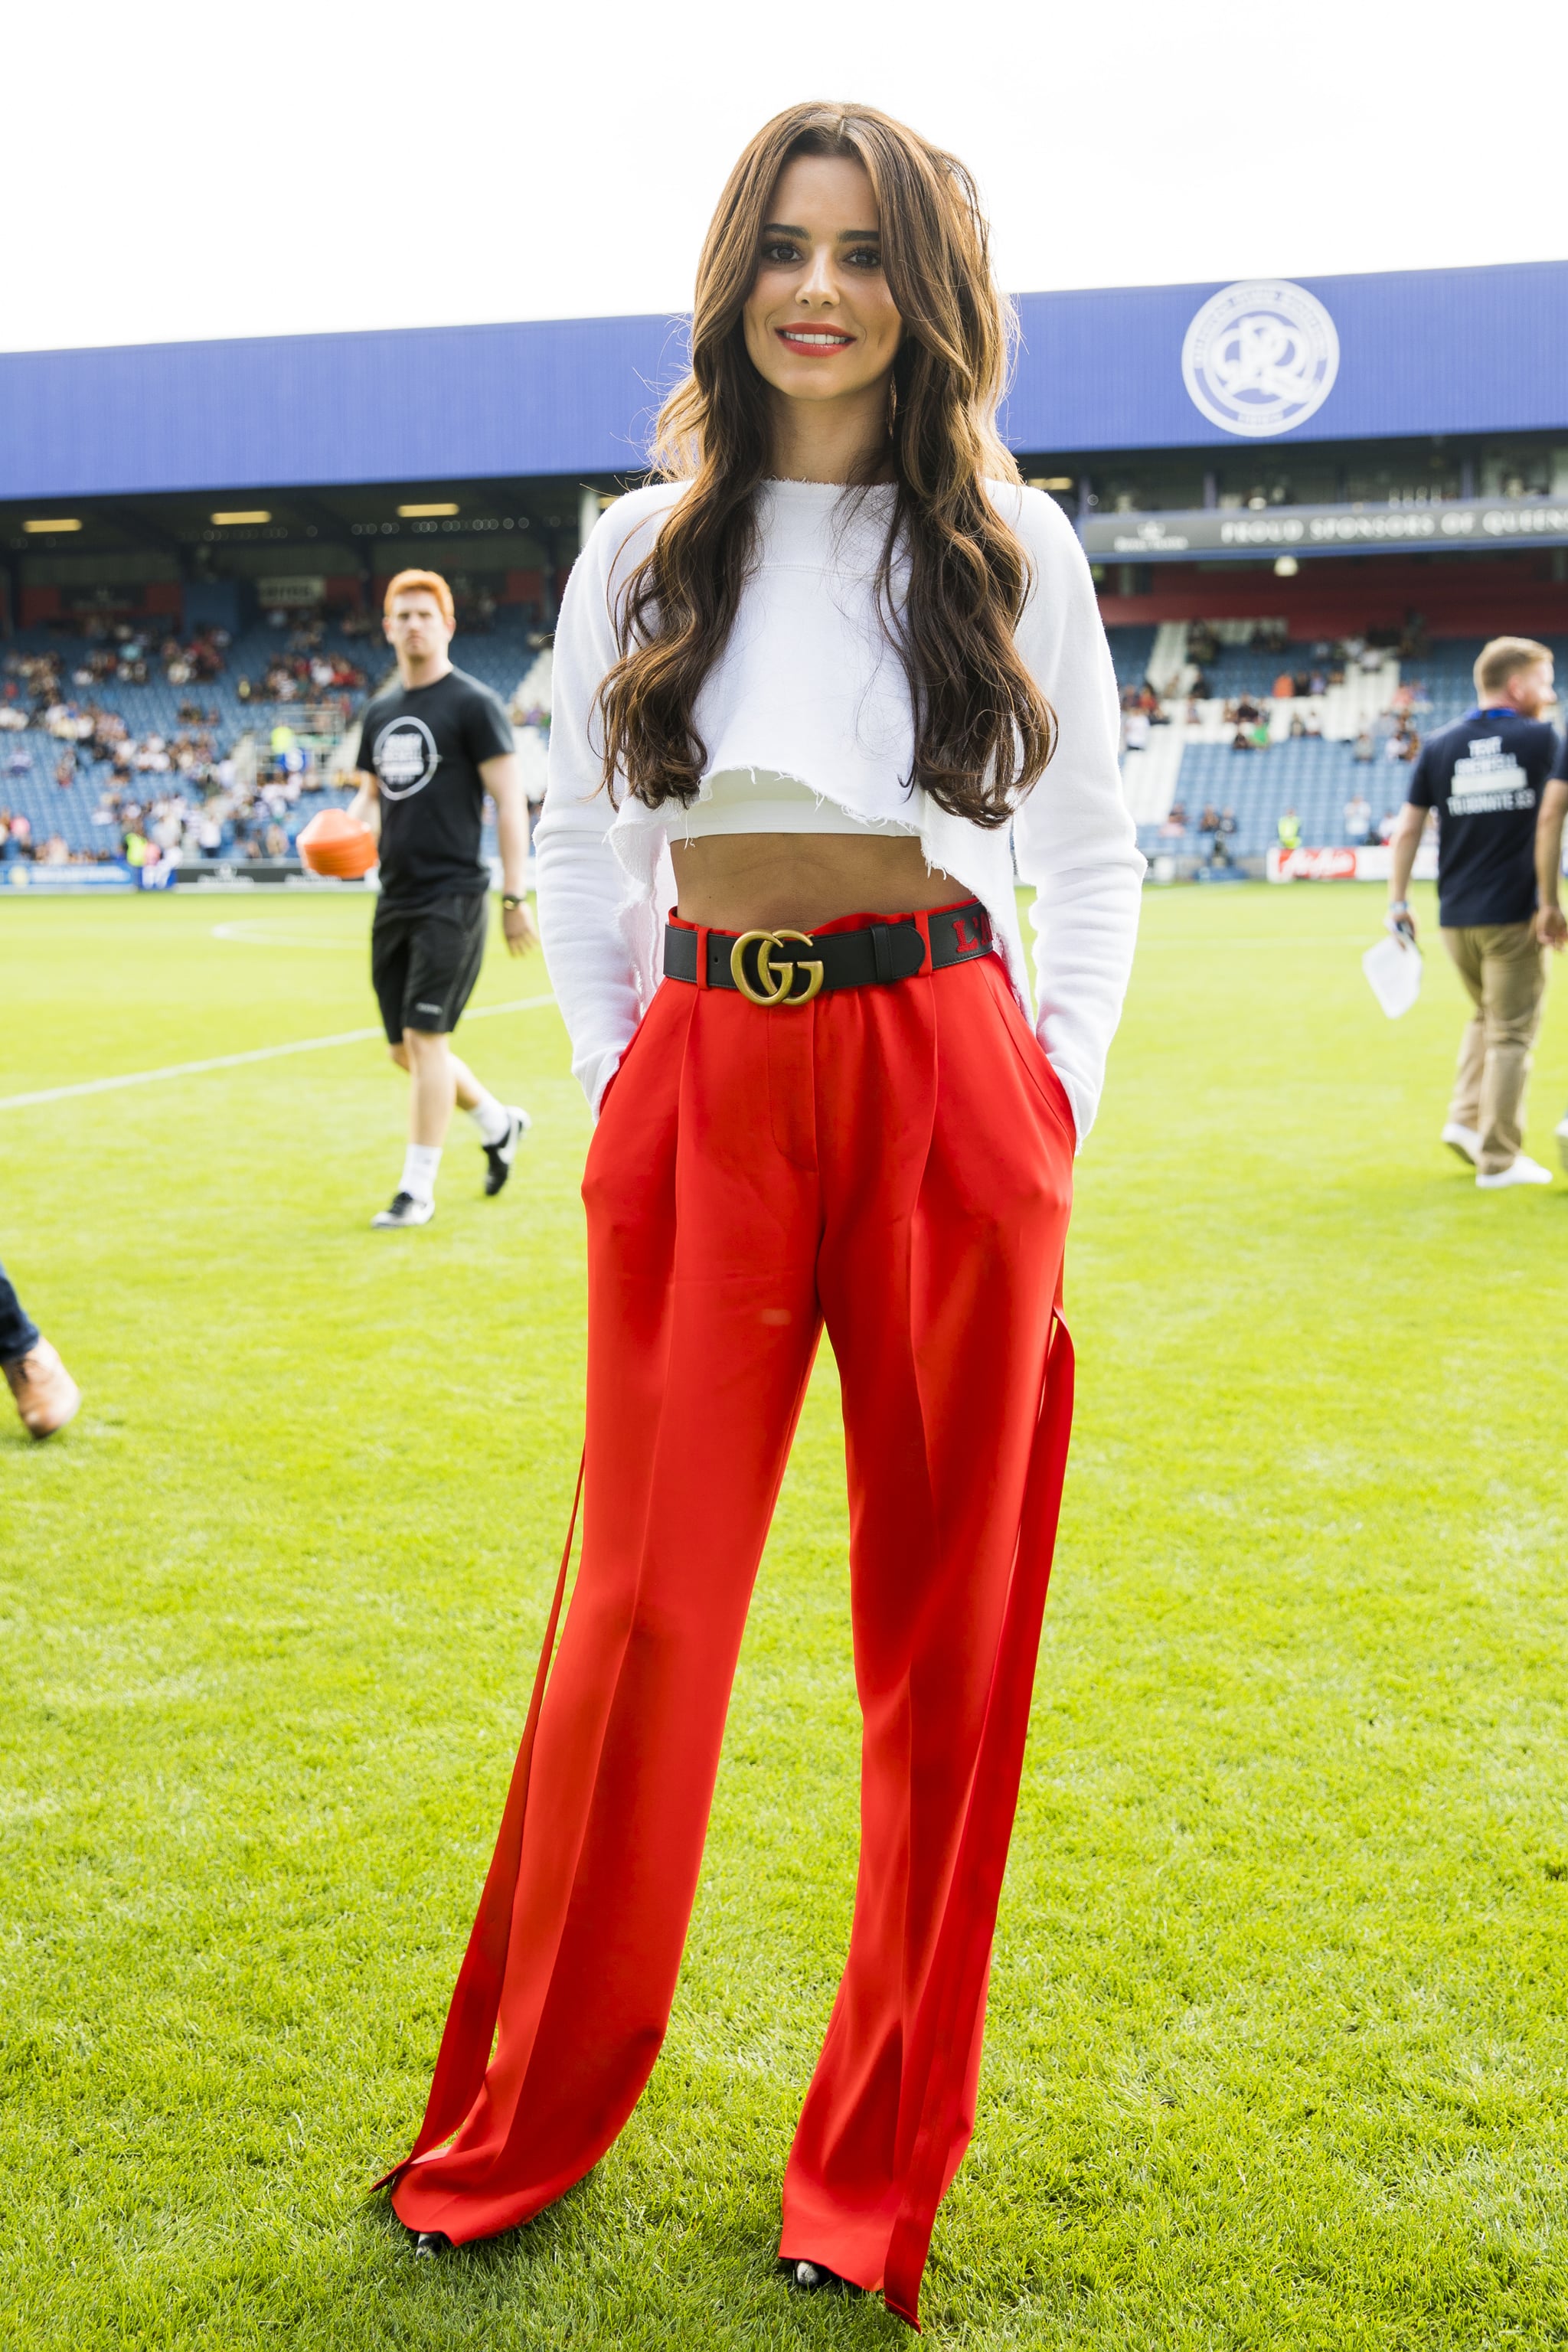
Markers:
point(1428, 351)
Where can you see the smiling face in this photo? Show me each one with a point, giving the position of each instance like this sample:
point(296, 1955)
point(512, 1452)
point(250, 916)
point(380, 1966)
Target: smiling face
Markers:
point(820, 321)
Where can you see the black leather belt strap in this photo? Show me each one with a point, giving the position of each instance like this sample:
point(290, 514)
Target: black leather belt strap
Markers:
point(872, 957)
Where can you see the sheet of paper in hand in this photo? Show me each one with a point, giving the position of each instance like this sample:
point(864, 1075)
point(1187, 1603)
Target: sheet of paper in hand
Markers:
point(1392, 969)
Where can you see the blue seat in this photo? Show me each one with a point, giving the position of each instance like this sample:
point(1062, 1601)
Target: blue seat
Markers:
point(499, 657)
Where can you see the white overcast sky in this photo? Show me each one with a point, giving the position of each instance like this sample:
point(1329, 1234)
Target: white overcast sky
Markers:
point(329, 164)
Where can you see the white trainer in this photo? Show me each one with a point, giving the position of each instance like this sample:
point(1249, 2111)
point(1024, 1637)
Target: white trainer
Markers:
point(404, 1211)
point(1465, 1141)
point(1560, 1133)
point(1523, 1171)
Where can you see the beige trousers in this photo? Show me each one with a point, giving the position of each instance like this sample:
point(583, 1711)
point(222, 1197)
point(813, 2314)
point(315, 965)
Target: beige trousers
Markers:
point(1505, 972)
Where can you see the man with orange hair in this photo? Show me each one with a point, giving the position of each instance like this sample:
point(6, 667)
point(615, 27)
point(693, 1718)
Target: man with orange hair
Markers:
point(431, 746)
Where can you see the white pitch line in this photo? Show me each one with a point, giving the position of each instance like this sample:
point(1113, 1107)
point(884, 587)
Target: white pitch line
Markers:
point(1253, 939)
point(252, 934)
point(234, 1061)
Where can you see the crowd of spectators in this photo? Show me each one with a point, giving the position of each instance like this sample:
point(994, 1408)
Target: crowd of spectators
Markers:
point(1251, 725)
point(305, 669)
point(1218, 824)
point(1256, 719)
point(1357, 824)
point(92, 739)
point(1250, 721)
point(1216, 827)
point(141, 823)
point(16, 841)
point(1394, 735)
point(180, 794)
point(119, 655)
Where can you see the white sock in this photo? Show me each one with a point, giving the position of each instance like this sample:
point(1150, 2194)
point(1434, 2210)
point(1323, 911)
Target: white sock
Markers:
point(492, 1119)
point(419, 1165)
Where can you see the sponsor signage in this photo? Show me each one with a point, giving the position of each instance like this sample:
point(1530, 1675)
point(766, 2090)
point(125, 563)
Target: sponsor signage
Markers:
point(1324, 530)
point(1343, 865)
point(114, 601)
point(21, 875)
point(298, 588)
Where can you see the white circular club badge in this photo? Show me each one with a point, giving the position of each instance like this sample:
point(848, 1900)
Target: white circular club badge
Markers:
point(405, 758)
point(1260, 357)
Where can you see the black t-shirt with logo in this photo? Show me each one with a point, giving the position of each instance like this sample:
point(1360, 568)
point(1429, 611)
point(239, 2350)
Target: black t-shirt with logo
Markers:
point(425, 744)
point(1484, 776)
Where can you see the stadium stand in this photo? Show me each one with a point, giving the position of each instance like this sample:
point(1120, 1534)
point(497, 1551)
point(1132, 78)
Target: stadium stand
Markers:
point(1130, 652)
point(1354, 739)
point(1314, 777)
point(1180, 758)
point(55, 774)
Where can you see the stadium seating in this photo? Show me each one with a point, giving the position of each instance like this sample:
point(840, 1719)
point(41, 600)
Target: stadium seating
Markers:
point(1235, 670)
point(1442, 677)
point(27, 787)
point(500, 657)
point(1130, 652)
point(1316, 776)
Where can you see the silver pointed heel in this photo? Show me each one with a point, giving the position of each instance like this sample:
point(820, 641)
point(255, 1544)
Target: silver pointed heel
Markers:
point(815, 2278)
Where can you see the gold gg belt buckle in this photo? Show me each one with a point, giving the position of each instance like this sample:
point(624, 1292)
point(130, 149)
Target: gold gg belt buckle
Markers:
point(776, 981)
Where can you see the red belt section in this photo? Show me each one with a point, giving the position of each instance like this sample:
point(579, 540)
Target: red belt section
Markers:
point(896, 1163)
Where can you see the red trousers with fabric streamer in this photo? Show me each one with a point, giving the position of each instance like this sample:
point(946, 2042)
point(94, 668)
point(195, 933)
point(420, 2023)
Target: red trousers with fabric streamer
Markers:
point(896, 1162)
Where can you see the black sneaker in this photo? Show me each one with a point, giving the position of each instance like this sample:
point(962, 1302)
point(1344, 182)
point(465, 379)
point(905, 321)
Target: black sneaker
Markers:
point(499, 1156)
point(404, 1211)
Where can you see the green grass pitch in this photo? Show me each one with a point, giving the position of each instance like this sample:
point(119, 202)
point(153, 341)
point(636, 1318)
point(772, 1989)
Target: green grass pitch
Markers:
point(1277, 2043)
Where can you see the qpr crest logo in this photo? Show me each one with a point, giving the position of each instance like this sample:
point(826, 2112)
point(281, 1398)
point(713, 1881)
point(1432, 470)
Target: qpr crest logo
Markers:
point(405, 758)
point(1260, 357)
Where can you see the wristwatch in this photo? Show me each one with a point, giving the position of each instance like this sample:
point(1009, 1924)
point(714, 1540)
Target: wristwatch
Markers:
point(508, 899)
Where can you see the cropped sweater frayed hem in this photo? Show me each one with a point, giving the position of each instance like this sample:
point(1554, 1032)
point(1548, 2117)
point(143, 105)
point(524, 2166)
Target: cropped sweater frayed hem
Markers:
point(809, 688)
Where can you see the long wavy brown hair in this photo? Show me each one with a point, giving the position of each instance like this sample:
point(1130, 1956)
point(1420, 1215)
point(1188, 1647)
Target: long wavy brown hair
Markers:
point(983, 730)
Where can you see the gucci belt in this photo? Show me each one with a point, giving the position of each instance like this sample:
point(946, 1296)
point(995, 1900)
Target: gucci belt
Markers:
point(785, 967)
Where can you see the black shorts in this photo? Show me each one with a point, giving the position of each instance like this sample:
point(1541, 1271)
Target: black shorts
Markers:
point(423, 961)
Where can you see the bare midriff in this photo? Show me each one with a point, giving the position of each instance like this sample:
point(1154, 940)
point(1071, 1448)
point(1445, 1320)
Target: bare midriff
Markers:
point(774, 881)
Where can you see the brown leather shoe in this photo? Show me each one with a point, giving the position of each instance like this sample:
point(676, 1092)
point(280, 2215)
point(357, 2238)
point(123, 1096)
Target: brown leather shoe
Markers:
point(46, 1396)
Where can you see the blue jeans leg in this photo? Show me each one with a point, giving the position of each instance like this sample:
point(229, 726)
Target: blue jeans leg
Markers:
point(18, 1334)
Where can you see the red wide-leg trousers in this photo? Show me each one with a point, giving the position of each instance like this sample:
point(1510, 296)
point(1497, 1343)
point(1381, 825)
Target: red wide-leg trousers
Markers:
point(896, 1162)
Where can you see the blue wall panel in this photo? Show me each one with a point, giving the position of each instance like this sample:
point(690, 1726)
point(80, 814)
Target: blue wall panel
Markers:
point(568, 396)
point(1432, 351)
point(1461, 351)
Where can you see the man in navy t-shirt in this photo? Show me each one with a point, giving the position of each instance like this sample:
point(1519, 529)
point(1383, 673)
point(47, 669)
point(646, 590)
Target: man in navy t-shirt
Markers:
point(1485, 776)
point(1549, 924)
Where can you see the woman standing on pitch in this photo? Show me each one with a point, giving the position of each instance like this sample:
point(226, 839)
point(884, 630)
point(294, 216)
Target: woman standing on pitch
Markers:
point(806, 689)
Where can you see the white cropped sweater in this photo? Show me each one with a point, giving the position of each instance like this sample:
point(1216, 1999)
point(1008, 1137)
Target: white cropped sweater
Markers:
point(808, 687)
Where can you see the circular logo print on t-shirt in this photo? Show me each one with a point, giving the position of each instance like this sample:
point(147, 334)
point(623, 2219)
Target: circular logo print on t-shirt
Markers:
point(1260, 357)
point(405, 758)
